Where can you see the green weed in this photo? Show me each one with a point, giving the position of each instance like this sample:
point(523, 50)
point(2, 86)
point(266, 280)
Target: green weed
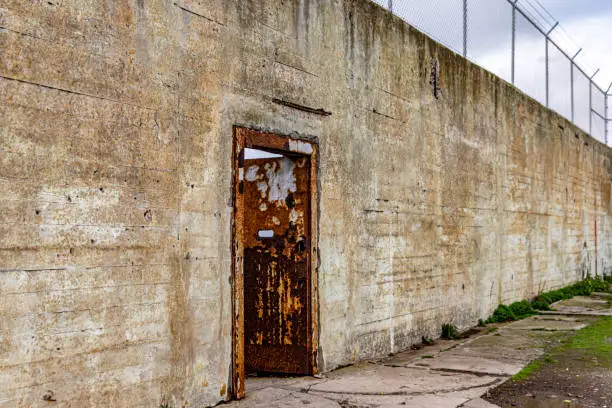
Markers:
point(540, 304)
point(449, 331)
point(502, 314)
point(523, 309)
point(428, 341)
point(527, 371)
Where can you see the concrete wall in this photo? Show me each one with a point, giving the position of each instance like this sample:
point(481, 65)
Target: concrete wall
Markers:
point(444, 190)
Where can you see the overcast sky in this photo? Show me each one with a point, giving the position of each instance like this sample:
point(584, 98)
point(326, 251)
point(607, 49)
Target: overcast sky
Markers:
point(589, 22)
point(583, 23)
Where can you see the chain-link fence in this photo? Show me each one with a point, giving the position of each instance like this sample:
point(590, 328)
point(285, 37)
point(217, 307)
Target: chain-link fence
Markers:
point(520, 41)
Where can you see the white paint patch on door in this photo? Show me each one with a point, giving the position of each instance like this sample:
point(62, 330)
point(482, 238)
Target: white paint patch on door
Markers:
point(251, 174)
point(281, 180)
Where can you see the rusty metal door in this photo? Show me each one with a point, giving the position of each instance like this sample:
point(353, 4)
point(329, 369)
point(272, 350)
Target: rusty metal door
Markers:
point(276, 264)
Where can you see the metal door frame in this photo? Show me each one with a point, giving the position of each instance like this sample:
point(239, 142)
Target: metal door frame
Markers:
point(245, 137)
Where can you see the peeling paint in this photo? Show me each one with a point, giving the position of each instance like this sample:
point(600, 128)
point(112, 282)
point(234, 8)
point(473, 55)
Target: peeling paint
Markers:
point(300, 146)
point(281, 180)
point(251, 174)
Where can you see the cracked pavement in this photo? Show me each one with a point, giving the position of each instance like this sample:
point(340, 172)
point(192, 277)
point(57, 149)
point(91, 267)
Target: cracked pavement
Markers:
point(447, 374)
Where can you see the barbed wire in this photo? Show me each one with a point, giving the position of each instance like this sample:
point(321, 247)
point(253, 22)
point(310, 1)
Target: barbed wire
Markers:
point(522, 42)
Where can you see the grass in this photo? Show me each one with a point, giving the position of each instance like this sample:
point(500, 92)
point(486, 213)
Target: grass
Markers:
point(594, 343)
point(528, 371)
point(533, 367)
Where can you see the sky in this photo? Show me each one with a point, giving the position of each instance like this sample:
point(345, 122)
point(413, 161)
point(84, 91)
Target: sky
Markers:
point(589, 23)
point(585, 24)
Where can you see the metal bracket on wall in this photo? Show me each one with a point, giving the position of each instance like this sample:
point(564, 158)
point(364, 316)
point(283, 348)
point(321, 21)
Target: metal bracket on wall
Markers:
point(308, 109)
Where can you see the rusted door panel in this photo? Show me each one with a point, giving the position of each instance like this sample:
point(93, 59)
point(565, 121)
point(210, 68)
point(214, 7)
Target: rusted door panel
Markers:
point(275, 317)
point(277, 265)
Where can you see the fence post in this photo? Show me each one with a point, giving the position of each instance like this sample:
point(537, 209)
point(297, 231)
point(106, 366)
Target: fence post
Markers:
point(572, 87)
point(606, 120)
point(591, 102)
point(547, 74)
point(548, 64)
point(606, 116)
point(513, 38)
point(572, 81)
point(591, 108)
point(390, 5)
point(465, 27)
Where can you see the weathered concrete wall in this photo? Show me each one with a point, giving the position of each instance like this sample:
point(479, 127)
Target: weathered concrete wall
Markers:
point(441, 195)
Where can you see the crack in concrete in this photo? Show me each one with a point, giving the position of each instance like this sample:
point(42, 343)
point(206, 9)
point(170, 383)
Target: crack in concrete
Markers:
point(407, 393)
point(448, 370)
point(55, 88)
point(307, 390)
point(198, 14)
point(469, 372)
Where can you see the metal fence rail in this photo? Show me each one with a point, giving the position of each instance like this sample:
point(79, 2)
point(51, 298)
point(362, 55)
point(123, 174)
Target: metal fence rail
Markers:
point(520, 41)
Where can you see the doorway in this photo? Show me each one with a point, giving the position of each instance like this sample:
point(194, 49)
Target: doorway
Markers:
point(274, 253)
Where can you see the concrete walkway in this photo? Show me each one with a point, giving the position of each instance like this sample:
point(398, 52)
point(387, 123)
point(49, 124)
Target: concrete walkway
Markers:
point(447, 374)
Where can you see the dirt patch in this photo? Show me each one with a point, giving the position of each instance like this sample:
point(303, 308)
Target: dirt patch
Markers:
point(575, 374)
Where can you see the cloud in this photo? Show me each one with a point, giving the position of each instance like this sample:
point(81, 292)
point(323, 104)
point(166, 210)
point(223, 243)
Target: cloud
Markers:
point(566, 11)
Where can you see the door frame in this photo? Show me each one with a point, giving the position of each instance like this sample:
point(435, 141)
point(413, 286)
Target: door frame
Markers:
point(242, 138)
